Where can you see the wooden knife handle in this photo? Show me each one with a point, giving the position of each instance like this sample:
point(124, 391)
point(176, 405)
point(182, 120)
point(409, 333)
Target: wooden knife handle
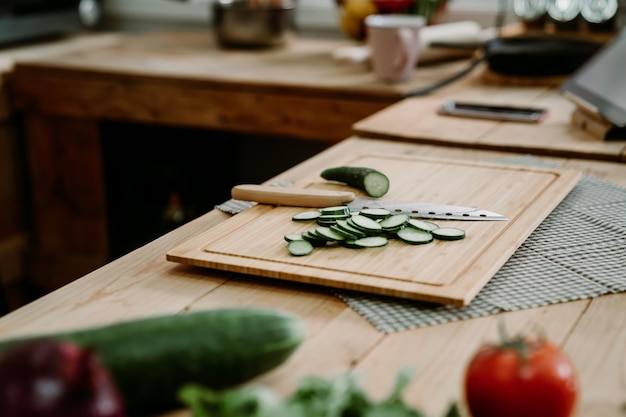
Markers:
point(296, 197)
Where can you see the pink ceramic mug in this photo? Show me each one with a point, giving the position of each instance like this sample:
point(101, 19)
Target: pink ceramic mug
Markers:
point(394, 43)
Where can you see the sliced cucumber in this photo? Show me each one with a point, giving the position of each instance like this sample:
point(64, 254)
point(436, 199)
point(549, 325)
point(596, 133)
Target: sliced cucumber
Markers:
point(300, 247)
point(293, 236)
point(350, 244)
point(326, 223)
point(372, 228)
point(448, 233)
point(365, 224)
point(335, 211)
point(375, 213)
point(394, 222)
point(371, 242)
point(312, 237)
point(423, 225)
point(414, 236)
point(373, 182)
point(327, 219)
point(306, 216)
point(347, 235)
point(344, 225)
point(327, 234)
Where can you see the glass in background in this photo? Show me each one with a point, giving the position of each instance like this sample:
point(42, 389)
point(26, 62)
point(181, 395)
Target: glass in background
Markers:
point(532, 13)
point(565, 14)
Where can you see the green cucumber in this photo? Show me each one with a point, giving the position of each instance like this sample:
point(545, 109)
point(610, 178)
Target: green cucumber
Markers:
point(424, 225)
point(371, 242)
point(289, 237)
point(394, 222)
point(375, 213)
point(342, 211)
point(327, 234)
point(346, 234)
point(331, 219)
point(344, 225)
point(373, 182)
point(312, 237)
point(306, 216)
point(448, 233)
point(373, 228)
point(364, 224)
point(414, 236)
point(300, 247)
point(152, 358)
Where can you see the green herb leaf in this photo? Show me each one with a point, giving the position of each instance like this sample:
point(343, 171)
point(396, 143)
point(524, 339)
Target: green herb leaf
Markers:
point(249, 401)
point(314, 397)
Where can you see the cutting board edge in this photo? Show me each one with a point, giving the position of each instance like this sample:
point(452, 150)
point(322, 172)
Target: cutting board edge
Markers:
point(192, 253)
point(436, 294)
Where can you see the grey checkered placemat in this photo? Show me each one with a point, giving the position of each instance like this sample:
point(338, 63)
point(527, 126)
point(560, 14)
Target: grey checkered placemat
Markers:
point(578, 252)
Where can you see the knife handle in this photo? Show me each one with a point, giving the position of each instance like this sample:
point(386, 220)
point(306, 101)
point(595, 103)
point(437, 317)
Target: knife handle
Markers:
point(295, 197)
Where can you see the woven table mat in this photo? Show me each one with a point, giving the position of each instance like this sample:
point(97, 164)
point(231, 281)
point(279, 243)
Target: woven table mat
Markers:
point(577, 252)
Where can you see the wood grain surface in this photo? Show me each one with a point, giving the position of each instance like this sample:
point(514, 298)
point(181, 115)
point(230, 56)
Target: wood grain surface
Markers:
point(183, 78)
point(444, 272)
point(143, 283)
point(417, 120)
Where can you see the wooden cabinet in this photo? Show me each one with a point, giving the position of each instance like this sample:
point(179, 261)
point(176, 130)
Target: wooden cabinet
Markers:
point(13, 235)
point(16, 220)
point(67, 198)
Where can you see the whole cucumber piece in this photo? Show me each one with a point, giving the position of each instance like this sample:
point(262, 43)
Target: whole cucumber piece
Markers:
point(150, 359)
point(372, 181)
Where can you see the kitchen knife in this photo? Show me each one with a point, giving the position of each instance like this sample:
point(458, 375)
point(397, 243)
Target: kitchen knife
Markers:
point(306, 197)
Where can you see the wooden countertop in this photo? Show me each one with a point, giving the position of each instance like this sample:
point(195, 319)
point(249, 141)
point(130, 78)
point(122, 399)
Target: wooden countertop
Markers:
point(305, 64)
point(417, 120)
point(592, 332)
point(184, 78)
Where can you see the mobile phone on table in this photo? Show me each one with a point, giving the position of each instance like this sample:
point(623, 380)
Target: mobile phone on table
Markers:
point(493, 112)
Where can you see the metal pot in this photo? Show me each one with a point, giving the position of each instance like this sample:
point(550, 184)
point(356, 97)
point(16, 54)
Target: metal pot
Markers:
point(252, 23)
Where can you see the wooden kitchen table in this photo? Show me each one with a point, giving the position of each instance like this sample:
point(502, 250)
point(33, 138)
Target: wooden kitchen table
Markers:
point(142, 283)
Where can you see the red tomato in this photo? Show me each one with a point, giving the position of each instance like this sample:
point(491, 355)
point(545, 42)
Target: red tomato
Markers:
point(392, 5)
point(507, 381)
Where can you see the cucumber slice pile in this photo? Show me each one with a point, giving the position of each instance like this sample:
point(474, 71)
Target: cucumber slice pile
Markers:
point(365, 224)
point(375, 213)
point(366, 229)
point(423, 225)
point(394, 223)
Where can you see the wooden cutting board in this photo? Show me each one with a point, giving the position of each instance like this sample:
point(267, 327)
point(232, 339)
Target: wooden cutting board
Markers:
point(252, 242)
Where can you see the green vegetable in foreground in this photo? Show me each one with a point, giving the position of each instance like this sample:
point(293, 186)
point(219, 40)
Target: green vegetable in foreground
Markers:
point(151, 359)
point(314, 397)
point(372, 181)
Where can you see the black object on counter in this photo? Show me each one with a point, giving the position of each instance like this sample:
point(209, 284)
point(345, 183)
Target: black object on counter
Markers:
point(545, 55)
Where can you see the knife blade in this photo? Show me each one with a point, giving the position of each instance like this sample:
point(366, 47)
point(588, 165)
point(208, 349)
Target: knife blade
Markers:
point(306, 197)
